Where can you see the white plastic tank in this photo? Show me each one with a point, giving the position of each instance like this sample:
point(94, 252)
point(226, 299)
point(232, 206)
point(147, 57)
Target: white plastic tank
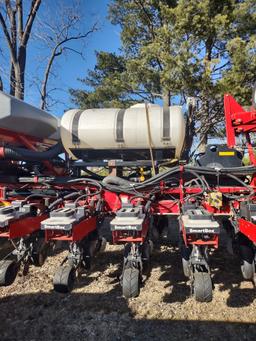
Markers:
point(114, 133)
point(21, 117)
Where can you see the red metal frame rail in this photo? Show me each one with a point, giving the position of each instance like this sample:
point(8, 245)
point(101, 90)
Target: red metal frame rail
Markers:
point(239, 121)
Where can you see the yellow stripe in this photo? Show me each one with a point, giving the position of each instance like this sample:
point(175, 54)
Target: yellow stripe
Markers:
point(226, 153)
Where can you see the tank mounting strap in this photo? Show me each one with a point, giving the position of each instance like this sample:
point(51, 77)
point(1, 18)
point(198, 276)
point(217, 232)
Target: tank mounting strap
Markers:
point(166, 124)
point(75, 124)
point(120, 126)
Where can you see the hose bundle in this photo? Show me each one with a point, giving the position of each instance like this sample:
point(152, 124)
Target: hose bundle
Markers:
point(22, 154)
point(119, 185)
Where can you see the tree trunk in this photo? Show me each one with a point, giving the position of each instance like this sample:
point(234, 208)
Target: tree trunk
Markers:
point(20, 79)
point(206, 95)
point(203, 133)
point(46, 77)
point(19, 90)
point(166, 99)
point(189, 133)
point(12, 80)
point(187, 143)
point(203, 140)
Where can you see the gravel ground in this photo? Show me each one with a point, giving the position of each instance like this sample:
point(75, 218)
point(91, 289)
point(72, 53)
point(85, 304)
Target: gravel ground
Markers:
point(96, 310)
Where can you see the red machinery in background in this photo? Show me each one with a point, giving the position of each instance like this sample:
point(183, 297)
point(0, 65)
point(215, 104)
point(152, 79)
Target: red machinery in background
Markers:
point(51, 199)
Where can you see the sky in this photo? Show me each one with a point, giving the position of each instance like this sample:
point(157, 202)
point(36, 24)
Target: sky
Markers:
point(71, 67)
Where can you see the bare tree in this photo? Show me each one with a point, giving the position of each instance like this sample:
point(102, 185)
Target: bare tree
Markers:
point(17, 35)
point(58, 35)
point(55, 36)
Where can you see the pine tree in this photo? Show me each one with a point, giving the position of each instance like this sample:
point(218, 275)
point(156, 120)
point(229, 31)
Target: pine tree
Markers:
point(174, 49)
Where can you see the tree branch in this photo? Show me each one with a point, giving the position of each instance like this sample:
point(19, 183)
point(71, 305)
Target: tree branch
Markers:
point(77, 37)
point(31, 17)
point(8, 39)
point(9, 9)
point(46, 76)
point(19, 6)
point(55, 53)
point(74, 50)
point(1, 84)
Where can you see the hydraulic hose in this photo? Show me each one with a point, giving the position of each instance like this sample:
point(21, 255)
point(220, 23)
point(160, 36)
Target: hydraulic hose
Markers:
point(250, 189)
point(37, 196)
point(94, 176)
point(60, 200)
point(22, 154)
point(120, 185)
point(115, 180)
point(234, 170)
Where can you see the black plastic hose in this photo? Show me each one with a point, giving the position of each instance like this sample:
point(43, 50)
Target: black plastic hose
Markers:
point(117, 181)
point(22, 154)
point(60, 200)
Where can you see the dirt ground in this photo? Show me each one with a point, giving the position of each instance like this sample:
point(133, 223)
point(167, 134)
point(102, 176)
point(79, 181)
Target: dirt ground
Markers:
point(96, 310)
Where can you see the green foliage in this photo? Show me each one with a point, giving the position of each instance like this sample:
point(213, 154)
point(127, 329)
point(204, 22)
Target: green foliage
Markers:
point(107, 81)
point(174, 49)
point(239, 78)
point(113, 82)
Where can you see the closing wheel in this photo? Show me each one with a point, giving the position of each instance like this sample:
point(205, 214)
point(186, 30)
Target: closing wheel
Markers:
point(64, 279)
point(40, 254)
point(186, 267)
point(130, 282)
point(247, 254)
point(8, 272)
point(146, 253)
point(202, 286)
point(248, 270)
point(185, 254)
point(102, 244)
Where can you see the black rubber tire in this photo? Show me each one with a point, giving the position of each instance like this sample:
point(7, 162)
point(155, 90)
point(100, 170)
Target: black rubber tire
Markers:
point(186, 268)
point(40, 254)
point(248, 270)
point(103, 244)
point(246, 248)
point(247, 255)
point(38, 259)
point(64, 279)
point(202, 287)
point(151, 247)
point(130, 282)
point(154, 233)
point(185, 256)
point(8, 272)
point(145, 253)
